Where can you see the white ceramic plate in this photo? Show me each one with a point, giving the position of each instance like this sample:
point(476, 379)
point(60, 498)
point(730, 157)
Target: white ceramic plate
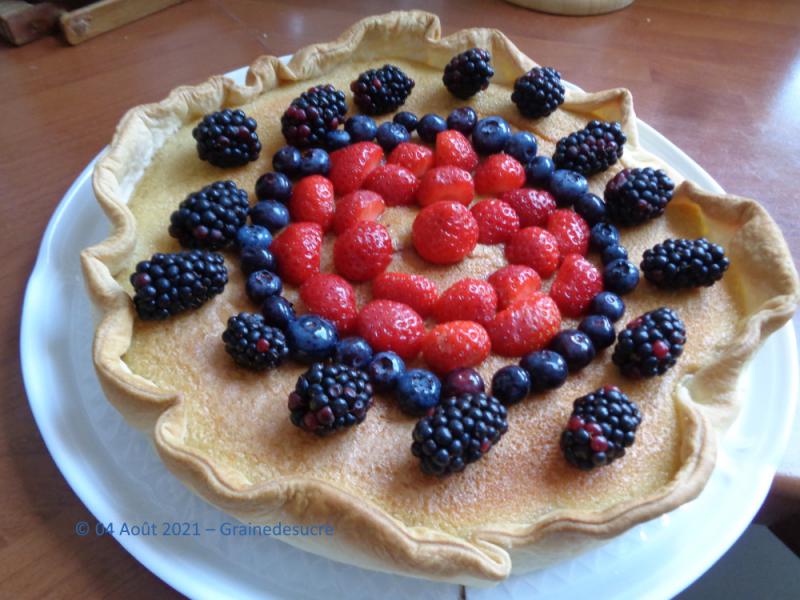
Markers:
point(117, 474)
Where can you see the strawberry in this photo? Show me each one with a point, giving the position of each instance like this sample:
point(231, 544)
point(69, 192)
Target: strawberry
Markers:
point(363, 251)
point(361, 205)
point(455, 345)
point(414, 157)
point(536, 248)
point(312, 201)
point(444, 233)
point(497, 174)
point(331, 297)
point(391, 326)
point(351, 165)
point(526, 326)
point(513, 283)
point(570, 230)
point(532, 206)
point(397, 185)
point(576, 283)
point(446, 183)
point(419, 292)
point(467, 300)
point(297, 250)
point(496, 221)
point(453, 148)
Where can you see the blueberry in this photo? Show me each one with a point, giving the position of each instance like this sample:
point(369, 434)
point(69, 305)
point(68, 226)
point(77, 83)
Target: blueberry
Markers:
point(547, 370)
point(261, 284)
point(390, 135)
point(354, 352)
point(620, 276)
point(609, 305)
point(591, 207)
point(277, 311)
point(270, 214)
point(462, 381)
point(311, 338)
point(567, 186)
point(511, 384)
point(429, 127)
point(338, 138)
point(575, 347)
point(287, 161)
point(603, 235)
point(539, 171)
point(463, 119)
point(407, 119)
point(253, 236)
point(256, 259)
point(522, 146)
point(361, 128)
point(490, 135)
point(417, 391)
point(274, 186)
point(613, 252)
point(599, 329)
point(384, 370)
point(314, 161)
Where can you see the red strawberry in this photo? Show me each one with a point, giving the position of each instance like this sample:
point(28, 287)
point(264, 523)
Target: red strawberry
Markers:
point(446, 183)
point(351, 165)
point(532, 206)
point(525, 326)
point(453, 148)
point(419, 292)
point(391, 326)
point(414, 157)
point(444, 233)
point(297, 250)
point(312, 201)
point(496, 221)
point(396, 184)
point(534, 247)
point(363, 251)
point(331, 297)
point(570, 230)
point(455, 345)
point(497, 174)
point(576, 283)
point(513, 283)
point(361, 205)
point(467, 300)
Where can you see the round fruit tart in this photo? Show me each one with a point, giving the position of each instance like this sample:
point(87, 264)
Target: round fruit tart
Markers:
point(410, 287)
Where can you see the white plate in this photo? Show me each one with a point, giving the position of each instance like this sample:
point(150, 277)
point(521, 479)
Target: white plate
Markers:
point(117, 474)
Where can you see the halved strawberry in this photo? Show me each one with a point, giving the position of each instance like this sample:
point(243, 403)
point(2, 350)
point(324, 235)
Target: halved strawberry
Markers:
point(397, 185)
point(455, 345)
point(513, 283)
point(532, 206)
point(525, 326)
point(361, 205)
point(468, 299)
point(536, 248)
point(444, 232)
point(363, 251)
point(497, 221)
point(453, 148)
point(446, 183)
point(498, 173)
point(333, 298)
point(414, 157)
point(312, 201)
point(419, 292)
point(575, 284)
point(351, 165)
point(570, 230)
point(298, 250)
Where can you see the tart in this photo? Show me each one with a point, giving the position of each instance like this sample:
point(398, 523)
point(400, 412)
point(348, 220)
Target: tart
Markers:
point(225, 431)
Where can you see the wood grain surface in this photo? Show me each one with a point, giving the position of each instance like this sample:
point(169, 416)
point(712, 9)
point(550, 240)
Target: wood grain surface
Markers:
point(720, 78)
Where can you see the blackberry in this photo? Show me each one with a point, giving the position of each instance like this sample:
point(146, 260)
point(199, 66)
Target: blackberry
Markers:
point(684, 263)
point(211, 217)
point(171, 283)
point(311, 116)
point(468, 73)
point(329, 397)
point(601, 426)
point(650, 344)
point(381, 91)
point(227, 138)
point(539, 92)
point(253, 344)
point(592, 149)
point(634, 196)
point(460, 431)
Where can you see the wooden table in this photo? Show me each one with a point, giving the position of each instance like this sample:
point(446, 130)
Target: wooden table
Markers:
point(720, 78)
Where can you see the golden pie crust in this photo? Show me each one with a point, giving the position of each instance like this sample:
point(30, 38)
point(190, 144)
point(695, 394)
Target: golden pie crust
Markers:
point(226, 434)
